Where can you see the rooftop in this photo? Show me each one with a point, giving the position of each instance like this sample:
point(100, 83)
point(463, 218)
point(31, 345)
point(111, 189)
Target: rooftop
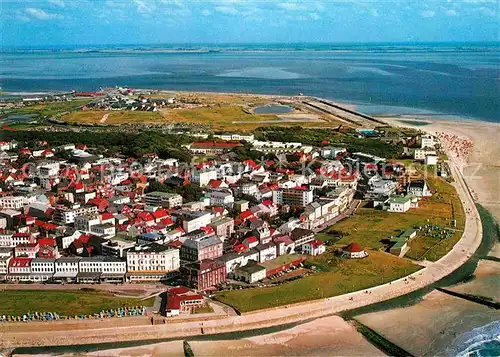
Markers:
point(251, 268)
point(281, 260)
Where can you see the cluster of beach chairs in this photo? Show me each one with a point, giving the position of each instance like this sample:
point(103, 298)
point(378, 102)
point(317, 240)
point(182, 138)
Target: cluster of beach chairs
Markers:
point(51, 316)
point(436, 231)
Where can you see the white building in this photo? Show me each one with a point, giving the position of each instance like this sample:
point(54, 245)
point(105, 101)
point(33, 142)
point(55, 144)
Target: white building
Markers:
point(203, 177)
point(65, 242)
point(104, 230)
point(418, 189)
point(66, 269)
point(250, 273)
point(431, 160)
point(329, 152)
point(6, 239)
point(105, 267)
point(266, 251)
point(163, 199)
point(427, 141)
point(12, 202)
point(151, 262)
point(48, 169)
point(84, 223)
point(4, 266)
point(295, 197)
point(235, 260)
point(67, 215)
point(42, 269)
point(196, 220)
point(221, 198)
point(315, 247)
point(43, 266)
point(116, 248)
point(421, 154)
point(401, 203)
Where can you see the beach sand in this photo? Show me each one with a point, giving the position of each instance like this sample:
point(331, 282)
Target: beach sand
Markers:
point(429, 327)
point(486, 282)
point(495, 251)
point(165, 349)
point(482, 168)
point(329, 336)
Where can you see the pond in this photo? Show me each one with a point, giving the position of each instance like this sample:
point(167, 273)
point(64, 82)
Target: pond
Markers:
point(18, 118)
point(273, 109)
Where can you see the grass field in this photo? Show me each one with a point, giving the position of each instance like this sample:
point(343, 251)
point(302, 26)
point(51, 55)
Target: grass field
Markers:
point(50, 109)
point(114, 117)
point(217, 117)
point(370, 227)
point(62, 302)
point(338, 276)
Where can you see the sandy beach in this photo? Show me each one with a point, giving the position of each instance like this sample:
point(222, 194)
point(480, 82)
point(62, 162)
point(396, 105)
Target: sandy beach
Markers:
point(480, 163)
point(486, 281)
point(329, 336)
point(429, 327)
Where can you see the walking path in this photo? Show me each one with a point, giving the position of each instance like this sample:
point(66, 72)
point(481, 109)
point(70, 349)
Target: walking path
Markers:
point(13, 334)
point(104, 118)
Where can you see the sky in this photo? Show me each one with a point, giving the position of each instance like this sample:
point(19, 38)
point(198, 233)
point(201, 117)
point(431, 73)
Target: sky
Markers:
point(53, 23)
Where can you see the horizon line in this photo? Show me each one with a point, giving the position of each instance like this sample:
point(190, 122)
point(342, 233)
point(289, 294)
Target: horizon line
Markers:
point(207, 43)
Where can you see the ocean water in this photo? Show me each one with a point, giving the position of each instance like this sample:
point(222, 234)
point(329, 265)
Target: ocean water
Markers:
point(483, 341)
point(460, 80)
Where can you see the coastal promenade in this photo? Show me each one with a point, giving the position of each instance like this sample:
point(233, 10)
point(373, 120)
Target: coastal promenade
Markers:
point(52, 334)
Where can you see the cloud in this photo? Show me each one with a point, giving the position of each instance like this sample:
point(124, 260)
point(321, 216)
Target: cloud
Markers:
point(427, 14)
point(480, 1)
point(40, 14)
point(142, 7)
point(227, 10)
point(486, 11)
point(206, 12)
point(291, 6)
point(59, 3)
point(450, 12)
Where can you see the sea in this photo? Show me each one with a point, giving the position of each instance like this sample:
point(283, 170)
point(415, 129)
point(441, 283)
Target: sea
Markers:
point(480, 342)
point(452, 80)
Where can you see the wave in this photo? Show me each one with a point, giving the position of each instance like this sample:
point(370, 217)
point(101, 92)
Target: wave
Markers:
point(277, 47)
point(481, 341)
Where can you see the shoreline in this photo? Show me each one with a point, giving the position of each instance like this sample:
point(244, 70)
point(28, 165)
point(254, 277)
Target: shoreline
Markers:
point(345, 103)
point(481, 166)
point(455, 258)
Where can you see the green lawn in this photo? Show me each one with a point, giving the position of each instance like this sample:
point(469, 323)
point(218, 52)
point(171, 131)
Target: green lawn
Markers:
point(62, 302)
point(114, 117)
point(218, 116)
point(338, 276)
point(369, 227)
point(50, 109)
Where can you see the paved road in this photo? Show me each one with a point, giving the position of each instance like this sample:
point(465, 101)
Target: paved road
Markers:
point(14, 335)
point(352, 208)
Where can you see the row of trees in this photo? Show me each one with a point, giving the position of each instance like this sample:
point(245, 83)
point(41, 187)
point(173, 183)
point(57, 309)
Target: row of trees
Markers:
point(132, 144)
point(371, 146)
